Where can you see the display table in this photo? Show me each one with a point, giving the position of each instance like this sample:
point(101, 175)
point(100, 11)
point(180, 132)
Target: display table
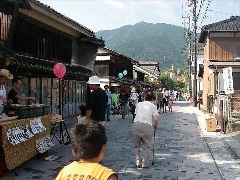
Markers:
point(11, 155)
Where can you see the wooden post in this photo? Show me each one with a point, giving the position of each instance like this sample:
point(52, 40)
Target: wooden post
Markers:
point(221, 116)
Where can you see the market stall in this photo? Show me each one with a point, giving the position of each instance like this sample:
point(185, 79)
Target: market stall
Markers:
point(21, 139)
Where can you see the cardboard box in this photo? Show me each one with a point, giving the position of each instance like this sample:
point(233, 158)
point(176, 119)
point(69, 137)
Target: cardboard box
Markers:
point(211, 124)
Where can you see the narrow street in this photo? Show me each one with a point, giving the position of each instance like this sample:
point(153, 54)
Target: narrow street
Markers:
point(184, 150)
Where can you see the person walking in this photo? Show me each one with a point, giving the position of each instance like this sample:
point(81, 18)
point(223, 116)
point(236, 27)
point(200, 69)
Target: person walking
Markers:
point(170, 104)
point(81, 114)
point(123, 99)
point(134, 100)
point(165, 99)
point(159, 98)
point(145, 123)
point(97, 101)
point(109, 101)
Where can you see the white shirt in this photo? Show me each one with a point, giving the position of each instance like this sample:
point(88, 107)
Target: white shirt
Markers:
point(134, 98)
point(3, 94)
point(145, 111)
point(165, 94)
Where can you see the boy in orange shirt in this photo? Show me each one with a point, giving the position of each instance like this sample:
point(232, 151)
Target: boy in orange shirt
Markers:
point(88, 140)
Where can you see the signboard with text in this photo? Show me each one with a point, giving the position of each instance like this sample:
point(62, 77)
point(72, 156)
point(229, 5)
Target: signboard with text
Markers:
point(228, 80)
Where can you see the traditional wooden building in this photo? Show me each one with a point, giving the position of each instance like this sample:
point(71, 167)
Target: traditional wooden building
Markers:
point(221, 87)
point(34, 37)
point(119, 71)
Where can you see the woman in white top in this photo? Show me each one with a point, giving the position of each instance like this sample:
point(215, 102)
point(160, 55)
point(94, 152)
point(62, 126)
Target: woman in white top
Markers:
point(145, 122)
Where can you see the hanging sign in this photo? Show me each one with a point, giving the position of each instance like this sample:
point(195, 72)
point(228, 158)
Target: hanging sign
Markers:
point(228, 80)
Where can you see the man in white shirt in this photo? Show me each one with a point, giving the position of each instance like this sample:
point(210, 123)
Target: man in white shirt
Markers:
point(134, 100)
point(165, 99)
point(145, 122)
point(4, 76)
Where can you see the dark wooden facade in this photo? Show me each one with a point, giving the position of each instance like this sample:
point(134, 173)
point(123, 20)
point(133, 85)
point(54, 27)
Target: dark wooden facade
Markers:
point(34, 37)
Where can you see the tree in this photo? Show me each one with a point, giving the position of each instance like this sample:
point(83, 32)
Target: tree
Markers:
point(166, 80)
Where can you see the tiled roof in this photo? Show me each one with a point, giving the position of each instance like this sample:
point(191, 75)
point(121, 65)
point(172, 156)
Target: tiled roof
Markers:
point(231, 24)
point(46, 65)
point(150, 66)
point(110, 51)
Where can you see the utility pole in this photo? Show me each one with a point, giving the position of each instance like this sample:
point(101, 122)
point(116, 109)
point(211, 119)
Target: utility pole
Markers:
point(195, 53)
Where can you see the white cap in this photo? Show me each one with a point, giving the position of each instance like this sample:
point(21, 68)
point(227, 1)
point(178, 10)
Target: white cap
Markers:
point(93, 80)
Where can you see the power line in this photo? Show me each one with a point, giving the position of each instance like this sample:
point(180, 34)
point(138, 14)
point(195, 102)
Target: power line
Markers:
point(220, 12)
point(205, 13)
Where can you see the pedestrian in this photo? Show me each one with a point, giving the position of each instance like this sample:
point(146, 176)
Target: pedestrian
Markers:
point(139, 95)
point(114, 99)
point(170, 104)
point(4, 76)
point(96, 102)
point(165, 98)
point(81, 113)
point(109, 101)
point(159, 99)
point(134, 100)
point(143, 128)
point(88, 141)
point(123, 99)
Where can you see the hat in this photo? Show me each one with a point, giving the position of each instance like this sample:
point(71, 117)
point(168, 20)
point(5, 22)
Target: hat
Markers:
point(133, 89)
point(93, 80)
point(6, 73)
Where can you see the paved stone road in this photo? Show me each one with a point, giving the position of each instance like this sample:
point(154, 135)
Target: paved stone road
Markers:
point(183, 150)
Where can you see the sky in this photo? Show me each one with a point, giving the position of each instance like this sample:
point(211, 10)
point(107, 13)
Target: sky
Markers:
point(99, 15)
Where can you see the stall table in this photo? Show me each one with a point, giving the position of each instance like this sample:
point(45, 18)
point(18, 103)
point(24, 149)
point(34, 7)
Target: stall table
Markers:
point(11, 155)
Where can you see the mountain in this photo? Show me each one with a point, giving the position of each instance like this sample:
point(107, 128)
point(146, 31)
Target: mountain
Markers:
point(148, 42)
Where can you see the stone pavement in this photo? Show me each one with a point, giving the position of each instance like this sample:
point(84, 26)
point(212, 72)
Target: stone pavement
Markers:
point(184, 150)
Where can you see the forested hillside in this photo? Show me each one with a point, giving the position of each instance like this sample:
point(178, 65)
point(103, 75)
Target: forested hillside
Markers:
point(147, 42)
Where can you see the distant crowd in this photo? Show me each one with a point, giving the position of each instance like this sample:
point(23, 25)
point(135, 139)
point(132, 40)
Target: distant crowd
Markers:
point(88, 136)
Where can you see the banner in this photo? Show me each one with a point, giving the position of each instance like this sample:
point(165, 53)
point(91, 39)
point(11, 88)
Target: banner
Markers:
point(228, 80)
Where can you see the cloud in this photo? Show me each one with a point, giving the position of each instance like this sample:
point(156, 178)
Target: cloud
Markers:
point(111, 14)
point(116, 3)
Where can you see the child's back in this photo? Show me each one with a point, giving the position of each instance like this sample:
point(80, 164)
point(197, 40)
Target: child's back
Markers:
point(88, 140)
point(85, 171)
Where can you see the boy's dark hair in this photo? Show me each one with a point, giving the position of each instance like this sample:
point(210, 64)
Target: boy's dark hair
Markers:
point(149, 96)
point(87, 139)
point(83, 110)
point(16, 79)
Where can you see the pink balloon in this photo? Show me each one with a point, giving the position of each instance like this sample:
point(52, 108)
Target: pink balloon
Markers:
point(59, 70)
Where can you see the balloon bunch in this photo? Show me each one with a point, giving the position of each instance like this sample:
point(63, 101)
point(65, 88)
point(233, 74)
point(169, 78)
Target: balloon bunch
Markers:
point(124, 73)
point(59, 70)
